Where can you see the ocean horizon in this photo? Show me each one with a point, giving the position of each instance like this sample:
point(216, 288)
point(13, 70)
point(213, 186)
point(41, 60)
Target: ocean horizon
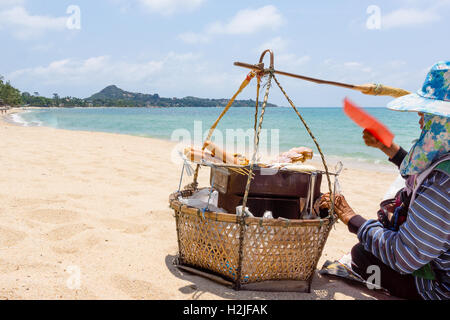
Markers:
point(337, 135)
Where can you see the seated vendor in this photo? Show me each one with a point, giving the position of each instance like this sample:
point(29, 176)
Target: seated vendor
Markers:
point(410, 240)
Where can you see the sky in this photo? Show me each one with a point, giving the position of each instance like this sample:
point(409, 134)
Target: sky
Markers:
point(179, 48)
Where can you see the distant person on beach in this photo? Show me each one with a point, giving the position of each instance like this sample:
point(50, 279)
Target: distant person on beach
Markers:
point(410, 240)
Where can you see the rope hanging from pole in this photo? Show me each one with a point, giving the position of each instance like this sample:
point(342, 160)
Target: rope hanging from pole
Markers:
point(309, 132)
point(258, 87)
point(252, 164)
point(244, 84)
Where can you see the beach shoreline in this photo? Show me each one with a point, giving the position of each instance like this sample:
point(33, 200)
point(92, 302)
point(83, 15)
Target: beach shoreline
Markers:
point(95, 204)
point(332, 160)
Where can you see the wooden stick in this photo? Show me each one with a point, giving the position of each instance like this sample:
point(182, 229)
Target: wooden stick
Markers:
point(370, 89)
point(260, 68)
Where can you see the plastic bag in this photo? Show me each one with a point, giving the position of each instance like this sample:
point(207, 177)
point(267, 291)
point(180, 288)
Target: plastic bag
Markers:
point(200, 199)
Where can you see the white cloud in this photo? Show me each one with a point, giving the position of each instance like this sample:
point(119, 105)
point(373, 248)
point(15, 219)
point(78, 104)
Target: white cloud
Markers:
point(91, 70)
point(409, 17)
point(290, 60)
point(397, 63)
point(170, 75)
point(354, 72)
point(279, 44)
point(11, 3)
point(412, 15)
point(247, 21)
point(24, 25)
point(284, 58)
point(353, 64)
point(396, 73)
point(167, 7)
point(193, 38)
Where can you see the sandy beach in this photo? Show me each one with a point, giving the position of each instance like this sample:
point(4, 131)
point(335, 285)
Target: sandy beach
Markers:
point(97, 204)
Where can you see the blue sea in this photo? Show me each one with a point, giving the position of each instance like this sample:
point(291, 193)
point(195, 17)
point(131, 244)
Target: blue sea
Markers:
point(337, 135)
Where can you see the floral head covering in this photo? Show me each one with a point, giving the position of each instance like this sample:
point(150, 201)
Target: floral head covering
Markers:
point(434, 97)
point(432, 144)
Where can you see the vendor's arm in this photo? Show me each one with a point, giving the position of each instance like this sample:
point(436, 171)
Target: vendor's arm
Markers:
point(397, 159)
point(395, 153)
point(423, 237)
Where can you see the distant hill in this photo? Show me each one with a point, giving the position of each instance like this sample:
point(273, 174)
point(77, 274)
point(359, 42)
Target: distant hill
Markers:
point(112, 94)
point(115, 97)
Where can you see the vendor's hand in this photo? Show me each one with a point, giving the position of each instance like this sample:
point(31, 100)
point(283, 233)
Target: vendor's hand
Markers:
point(342, 208)
point(371, 141)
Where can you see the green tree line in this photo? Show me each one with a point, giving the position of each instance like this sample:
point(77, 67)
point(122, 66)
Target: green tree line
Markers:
point(8, 94)
point(111, 96)
point(11, 96)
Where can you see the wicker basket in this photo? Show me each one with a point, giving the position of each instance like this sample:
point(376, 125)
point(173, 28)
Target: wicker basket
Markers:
point(250, 253)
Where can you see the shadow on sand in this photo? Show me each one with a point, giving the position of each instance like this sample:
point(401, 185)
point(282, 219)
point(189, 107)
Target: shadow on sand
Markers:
point(323, 288)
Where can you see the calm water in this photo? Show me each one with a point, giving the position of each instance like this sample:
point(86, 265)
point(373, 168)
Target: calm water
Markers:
point(337, 135)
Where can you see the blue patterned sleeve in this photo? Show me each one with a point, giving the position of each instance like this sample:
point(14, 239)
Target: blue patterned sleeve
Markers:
point(422, 238)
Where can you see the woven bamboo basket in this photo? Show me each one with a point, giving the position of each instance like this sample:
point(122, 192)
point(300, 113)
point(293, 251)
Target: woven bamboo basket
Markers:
point(247, 252)
point(276, 255)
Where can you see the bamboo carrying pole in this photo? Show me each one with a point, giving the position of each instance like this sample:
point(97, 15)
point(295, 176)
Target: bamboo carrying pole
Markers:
point(371, 89)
